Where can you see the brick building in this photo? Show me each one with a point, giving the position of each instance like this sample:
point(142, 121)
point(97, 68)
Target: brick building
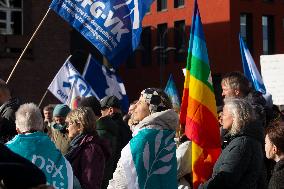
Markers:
point(163, 44)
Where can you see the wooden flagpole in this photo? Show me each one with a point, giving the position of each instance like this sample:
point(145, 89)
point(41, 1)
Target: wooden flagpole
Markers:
point(39, 104)
point(28, 44)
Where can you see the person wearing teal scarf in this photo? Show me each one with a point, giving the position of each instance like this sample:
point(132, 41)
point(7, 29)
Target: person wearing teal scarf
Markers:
point(33, 144)
point(149, 159)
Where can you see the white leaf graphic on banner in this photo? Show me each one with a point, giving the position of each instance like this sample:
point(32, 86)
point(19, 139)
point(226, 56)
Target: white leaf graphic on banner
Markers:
point(170, 147)
point(167, 157)
point(162, 170)
point(146, 155)
point(158, 141)
point(169, 137)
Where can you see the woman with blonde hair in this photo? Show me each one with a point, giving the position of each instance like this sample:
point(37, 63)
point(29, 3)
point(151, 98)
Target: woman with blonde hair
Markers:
point(240, 164)
point(87, 153)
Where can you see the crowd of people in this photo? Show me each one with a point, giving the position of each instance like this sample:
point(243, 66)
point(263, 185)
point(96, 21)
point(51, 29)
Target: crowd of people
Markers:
point(94, 145)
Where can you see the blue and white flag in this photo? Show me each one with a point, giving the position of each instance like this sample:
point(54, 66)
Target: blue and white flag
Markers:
point(68, 85)
point(252, 73)
point(250, 69)
point(113, 27)
point(105, 82)
point(172, 92)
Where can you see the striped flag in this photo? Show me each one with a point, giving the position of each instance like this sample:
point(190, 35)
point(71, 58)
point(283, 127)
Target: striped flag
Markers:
point(198, 108)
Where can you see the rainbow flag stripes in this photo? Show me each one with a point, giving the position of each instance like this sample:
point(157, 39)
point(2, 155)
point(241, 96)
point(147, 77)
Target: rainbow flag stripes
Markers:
point(198, 108)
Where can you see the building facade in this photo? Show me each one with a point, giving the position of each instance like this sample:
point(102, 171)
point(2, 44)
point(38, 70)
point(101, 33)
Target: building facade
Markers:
point(167, 27)
point(162, 50)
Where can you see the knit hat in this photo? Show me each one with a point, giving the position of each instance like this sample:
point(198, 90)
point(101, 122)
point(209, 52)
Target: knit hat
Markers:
point(110, 101)
point(157, 99)
point(61, 110)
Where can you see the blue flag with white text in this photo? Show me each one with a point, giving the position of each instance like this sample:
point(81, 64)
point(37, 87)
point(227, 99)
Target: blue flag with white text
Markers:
point(250, 69)
point(112, 26)
point(105, 82)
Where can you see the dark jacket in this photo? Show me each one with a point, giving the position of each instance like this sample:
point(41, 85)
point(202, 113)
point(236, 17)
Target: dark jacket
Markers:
point(241, 162)
point(109, 130)
point(124, 129)
point(277, 179)
point(258, 102)
point(87, 155)
point(7, 120)
point(18, 172)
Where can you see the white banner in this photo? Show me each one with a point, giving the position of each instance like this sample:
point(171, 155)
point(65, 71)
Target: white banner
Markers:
point(272, 67)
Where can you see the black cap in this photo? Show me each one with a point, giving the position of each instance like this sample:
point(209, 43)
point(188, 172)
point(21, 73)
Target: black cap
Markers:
point(91, 102)
point(110, 101)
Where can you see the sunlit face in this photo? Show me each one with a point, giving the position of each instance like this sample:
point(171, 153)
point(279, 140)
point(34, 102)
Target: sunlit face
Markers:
point(73, 129)
point(141, 111)
point(227, 91)
point(131, 108)
point(59, 120)
point(227, 118)
point(47, 115)
point(270, 148)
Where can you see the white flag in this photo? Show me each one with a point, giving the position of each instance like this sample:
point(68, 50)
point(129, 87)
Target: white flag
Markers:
point(68, 84)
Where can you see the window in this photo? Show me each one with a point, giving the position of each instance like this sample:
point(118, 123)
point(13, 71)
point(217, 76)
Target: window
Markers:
point(246, 30)
point(11, 17)
point(180, 41)
point(179, 3)
point(145, 46)
point(268, 34)
point(162, 34)
point(161, 5)
point(162, 42)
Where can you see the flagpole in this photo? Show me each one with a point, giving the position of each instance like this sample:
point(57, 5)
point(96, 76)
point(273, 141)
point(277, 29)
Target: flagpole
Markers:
point(42, 98)
point(28, 44)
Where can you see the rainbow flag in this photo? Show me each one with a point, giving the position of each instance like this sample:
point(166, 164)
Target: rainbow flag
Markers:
point(198, 108)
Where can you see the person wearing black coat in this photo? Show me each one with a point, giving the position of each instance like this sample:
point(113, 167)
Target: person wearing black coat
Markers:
point(18, 172)
point(274, 149)
point(8, 107)
point(110, 106)
point(241, 162)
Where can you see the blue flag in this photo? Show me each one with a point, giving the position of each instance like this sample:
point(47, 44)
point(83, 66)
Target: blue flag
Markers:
point(68, 85)
point(105, 82)
point(172, 92)
point(112, 26)
point(250, 69)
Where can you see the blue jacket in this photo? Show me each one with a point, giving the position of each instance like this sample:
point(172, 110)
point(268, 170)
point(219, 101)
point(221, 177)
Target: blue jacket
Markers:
point(40, 150)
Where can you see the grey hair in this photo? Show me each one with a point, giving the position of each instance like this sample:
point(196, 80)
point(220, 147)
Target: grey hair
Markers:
point(241, 111)
point(29, 118)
